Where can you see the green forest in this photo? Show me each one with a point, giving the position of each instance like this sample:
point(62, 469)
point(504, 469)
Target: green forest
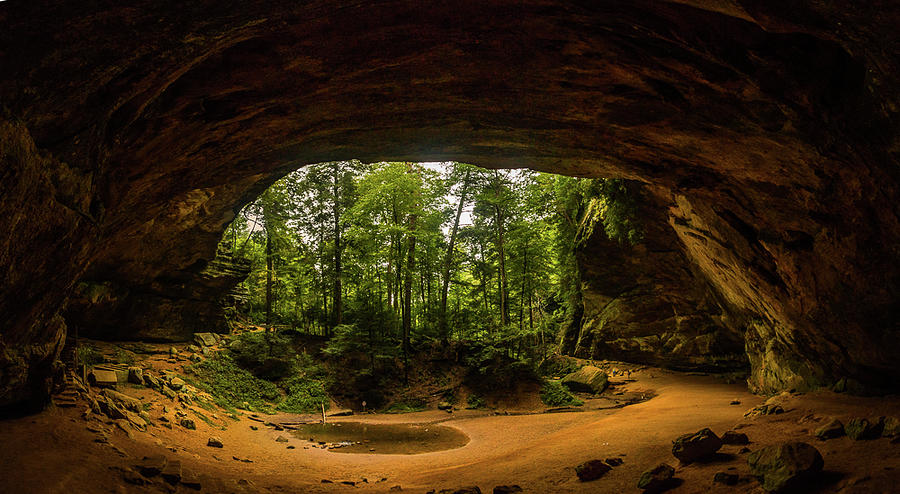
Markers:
point(385, 260)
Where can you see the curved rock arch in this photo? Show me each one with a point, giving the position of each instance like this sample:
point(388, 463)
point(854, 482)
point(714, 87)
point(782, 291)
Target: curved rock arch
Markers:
point(130, 135)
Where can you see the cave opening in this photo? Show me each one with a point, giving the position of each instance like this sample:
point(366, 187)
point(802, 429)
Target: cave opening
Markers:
point(758, 305)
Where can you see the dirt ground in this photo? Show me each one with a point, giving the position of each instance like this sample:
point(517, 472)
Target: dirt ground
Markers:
point(54, 452)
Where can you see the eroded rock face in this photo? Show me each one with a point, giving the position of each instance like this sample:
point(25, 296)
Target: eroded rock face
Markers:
point(772, 129)
point(644, 303)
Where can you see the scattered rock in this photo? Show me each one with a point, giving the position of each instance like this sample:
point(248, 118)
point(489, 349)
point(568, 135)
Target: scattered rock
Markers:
point(692, 447)
point(784, 466)
point(281, 439)
point(188, 424)
point(764, 409)
point(348, 482)
point(151, 466)
point(291, 447)
point(591, 470)
point(862, 429)
point(103, 378)
point(124, 400)
point(614, 462)
point(136, 375)
point(833, 429)
point(172, 472)
point(588, 379)
point(726, 478)
point(205, 339)
point(395, 488)
point(444, 405)
point(732, 437)
point(507, 489)
point(173, 351)
point(657, 478)
point(735, 402)
point(744, 450)
point(214, 442)
point(462, 490)
point(176, 383)
point(254, 428)
point(151, 381)
point(890, 427)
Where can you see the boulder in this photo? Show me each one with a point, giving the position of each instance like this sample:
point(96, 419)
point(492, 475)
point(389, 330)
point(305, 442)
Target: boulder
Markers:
point(123, 400)
point(657, 478)
point(104, 378)
point(188, 424)
point(214, 442)
point(764, 409)
point(588, 379)
point(281, 439)
point(862, 429)
point(151, 466)
point(205, 339)
point(135, 375)
point(507, 489)
point(726, 478)
point(698, 445)
point(890, 427)
point(151, 381)
point(462, 490)
point(445, 405)
point(591, 470)
point(833, 429)
point(782, 467)
point(190, 479)
point(176, 383)
point(732, 437)
point(614, 462)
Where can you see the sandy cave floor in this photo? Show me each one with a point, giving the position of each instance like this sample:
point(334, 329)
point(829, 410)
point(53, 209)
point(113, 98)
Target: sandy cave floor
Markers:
point(54, 452)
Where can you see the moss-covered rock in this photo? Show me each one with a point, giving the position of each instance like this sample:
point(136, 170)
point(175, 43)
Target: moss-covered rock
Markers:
point(588, 379)
point(782, 467)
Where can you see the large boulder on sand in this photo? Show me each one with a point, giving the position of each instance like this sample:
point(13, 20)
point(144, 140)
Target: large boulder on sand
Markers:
point(656, 479)
point(588, 379)
point(782, 467)
point(692, 447)
point(591, 470)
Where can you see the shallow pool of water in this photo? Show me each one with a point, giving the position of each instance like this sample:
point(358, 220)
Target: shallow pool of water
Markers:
point(403, 439)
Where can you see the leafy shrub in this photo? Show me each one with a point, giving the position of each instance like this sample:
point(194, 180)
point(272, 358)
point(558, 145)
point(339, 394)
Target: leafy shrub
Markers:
point(406, 406)
point(267, 355)
point(556, 365)
point(304, 395)
point(475, 401)
point(89, 355)
point(491, 368)
point(555, 395)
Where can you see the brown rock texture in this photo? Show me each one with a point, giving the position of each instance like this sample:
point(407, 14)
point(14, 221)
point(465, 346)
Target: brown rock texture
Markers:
point(645, 303)
point(132, 132)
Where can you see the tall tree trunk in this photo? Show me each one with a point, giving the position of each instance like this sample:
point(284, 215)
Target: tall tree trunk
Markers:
point(338, 305)
point(522, 292)
point(501, 254)
point(407, 285)
point(269, 269)
point(448, 258)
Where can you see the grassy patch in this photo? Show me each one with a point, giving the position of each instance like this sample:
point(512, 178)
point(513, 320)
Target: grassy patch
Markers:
point(231, 385)
point(88, 355)
point(555, 395)
point(407, 406)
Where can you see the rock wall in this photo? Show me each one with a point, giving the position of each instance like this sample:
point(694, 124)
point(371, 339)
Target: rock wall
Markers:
point(132, 132)
point(645, 303)
point(170, 309)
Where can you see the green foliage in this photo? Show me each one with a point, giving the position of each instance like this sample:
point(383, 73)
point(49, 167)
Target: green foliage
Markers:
point(89, 355)
point(406, 406)
point(556, 365)
point(491, 368)
point(304, 395)
point(124, 357)
point(231, 385)
point(555, 395)
point(474, 401)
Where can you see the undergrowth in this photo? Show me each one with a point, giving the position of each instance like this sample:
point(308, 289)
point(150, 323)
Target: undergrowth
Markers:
point(555, 395)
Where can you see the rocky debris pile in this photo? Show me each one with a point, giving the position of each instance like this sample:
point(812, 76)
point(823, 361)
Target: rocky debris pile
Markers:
point(691, 447)
point(507, 489)
point(764, 409)
point(588, 379)
point(473, 489)
point(785, 466)
point(657, 479)
point(170, 471)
